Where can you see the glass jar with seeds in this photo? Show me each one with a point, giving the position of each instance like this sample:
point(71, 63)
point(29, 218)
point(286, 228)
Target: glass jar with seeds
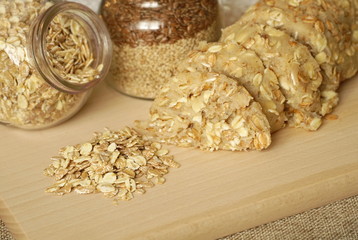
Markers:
point(151, 37)
point(51, 56)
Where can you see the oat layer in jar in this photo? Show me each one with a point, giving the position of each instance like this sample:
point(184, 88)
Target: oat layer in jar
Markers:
point(51, 56)
point(152, 37)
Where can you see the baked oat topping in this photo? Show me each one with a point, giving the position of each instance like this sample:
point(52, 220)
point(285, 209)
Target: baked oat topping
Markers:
point(246, 67)
point(327, 27)
point(209, 111)
point(298, 72)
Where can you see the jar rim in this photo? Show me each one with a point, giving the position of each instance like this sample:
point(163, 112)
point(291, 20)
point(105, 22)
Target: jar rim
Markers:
point(37, 51)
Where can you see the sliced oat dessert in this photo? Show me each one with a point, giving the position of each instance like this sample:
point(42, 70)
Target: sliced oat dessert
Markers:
point(298, 72)
point(325, 26)
point(209, 111)
point(247, 68)
point(337, 17)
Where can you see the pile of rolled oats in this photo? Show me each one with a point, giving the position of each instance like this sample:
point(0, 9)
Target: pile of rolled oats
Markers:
point(69, 51)
point(115, 163)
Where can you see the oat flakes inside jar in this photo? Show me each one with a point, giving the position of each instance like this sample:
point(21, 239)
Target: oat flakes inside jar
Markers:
point(152, 37)
point(51, 56)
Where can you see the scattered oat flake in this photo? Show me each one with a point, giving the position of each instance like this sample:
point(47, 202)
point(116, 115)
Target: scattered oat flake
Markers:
point(331, 117)
point(115, 163)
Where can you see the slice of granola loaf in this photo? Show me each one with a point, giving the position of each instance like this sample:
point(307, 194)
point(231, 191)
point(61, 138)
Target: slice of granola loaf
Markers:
point(247, 68)
point(327, 27)
point(209, 111)
point(298, 72)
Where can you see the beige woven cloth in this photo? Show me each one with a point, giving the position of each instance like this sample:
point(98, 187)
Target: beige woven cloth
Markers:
point(335, 221)
point(338, 220)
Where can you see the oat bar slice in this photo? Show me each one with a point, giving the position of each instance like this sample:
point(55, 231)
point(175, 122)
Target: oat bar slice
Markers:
point(325, 26)
point(247, 68)
point(209, 111)
point(337, 17)
point(298, 72)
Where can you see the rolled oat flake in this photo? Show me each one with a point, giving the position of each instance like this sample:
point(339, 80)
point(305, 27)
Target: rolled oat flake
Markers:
point(51, 56)
point(152, 37)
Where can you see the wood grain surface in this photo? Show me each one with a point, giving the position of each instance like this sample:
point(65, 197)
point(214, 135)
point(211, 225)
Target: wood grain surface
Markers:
point(210, 196)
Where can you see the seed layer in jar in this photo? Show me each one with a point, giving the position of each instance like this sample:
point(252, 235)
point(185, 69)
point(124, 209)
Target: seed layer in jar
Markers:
point(151, 38)
point(143, 70)
point(141, 22)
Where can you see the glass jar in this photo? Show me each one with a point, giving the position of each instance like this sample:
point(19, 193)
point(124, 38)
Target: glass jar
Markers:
point(51, 56)
point(232, 10)
point(152, 37)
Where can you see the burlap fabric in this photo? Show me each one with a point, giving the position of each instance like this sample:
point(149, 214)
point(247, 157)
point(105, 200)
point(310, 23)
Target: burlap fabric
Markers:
point(335, 221)
point(4, 233)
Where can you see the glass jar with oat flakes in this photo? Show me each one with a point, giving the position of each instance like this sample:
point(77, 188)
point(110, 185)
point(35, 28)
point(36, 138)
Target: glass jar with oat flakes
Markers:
point(51, 56)
point(151, 37)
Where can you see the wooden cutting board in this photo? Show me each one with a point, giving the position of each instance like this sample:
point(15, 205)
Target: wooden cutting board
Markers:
point(210, 196)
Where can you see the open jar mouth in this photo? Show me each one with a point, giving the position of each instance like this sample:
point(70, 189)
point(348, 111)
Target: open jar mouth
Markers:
point(70, 47)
